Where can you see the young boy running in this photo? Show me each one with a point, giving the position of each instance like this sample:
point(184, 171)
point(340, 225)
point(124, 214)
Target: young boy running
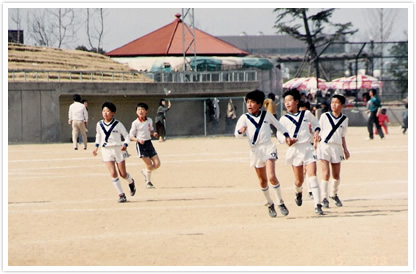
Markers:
point(108, 137)
point(302, 153)
point(141, 132)
point(256, 125)
point(332, 147)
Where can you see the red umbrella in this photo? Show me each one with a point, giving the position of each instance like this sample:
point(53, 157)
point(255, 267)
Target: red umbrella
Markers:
point(292, 82)
point(306, 83)
point(356, 82)
point(339, 83)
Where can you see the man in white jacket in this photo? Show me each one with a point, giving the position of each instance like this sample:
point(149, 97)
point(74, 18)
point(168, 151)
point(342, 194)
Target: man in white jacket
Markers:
point(78, 117)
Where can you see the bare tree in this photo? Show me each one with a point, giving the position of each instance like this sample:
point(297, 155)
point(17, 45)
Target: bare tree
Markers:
point(52, 27)
point(37, 27)
point(17, 19)
point(381, 22)
point(63, 24)
point(95, 27)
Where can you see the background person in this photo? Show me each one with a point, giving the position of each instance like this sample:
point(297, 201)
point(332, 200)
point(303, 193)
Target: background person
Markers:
point(374, 108)
point(160, 120)
point(78, 118)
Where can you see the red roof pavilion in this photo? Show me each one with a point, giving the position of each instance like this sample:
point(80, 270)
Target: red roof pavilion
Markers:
point(167, 41)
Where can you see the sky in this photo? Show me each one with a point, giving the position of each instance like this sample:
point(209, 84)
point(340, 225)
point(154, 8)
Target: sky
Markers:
point(126, 22)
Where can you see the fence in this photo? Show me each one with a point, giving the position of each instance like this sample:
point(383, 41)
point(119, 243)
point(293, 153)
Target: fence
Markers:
point(130, 76)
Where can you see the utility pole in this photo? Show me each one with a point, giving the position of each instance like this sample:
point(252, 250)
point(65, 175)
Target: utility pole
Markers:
point(188, 48)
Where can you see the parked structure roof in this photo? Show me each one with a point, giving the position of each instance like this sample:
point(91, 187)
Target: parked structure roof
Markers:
point(168, 41)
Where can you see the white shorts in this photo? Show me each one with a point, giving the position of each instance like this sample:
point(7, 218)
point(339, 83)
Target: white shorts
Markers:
point(259, 154)
point(300, 154)
point(113, 154)
point(332, 153)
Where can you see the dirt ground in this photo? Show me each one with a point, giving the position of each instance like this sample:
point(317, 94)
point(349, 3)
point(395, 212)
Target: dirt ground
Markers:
point(206, 211)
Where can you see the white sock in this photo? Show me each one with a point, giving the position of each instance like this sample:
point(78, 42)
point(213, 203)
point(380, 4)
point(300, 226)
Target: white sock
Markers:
point(128, 178)
point(117, 185)
point(267, 195)
point(324, 189)
point(298, 189)
point(146, 174)
point(278, 194)
point(334, 189)
point(149, 175)
point(314, 187)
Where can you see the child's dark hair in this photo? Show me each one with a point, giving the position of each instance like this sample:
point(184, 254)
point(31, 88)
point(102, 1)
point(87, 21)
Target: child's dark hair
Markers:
point(307, 105)
point(271, 95)
point(142, 105)
point(256, 95)
point(292, 92)
point(160, 102)
point(110, 106)
point(383, 111)
point(340, 97)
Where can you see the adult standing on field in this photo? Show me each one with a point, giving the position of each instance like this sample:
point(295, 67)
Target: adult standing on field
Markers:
point(78, 117)
point(374, 108)
point(161, 119)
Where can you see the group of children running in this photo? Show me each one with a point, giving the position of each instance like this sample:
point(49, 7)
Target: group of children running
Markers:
point(299, 129)
point(302, 132)
point(114, 151)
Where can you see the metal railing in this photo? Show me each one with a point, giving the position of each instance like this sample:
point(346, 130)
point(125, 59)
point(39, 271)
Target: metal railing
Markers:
point(76, 76)
point(130, 76)
point(204, 76)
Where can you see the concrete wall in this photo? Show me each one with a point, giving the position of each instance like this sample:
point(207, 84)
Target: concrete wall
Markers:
point(38, 112)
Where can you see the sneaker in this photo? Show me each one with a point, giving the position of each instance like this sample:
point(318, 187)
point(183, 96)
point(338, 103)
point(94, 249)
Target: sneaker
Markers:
point(325, 203)
point(311, 195)
point(318, 210)
point(272, 212)
point(122, 198)
point(337, 200)
point(132, 188)
point(298, 198)
point(149, 185)
point(283, 209)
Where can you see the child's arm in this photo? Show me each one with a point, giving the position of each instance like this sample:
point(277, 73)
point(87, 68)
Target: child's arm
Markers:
point(126, 136)
point(315, 127)
point(344, 146)
point(97, 140)
point(154, 134)
point(132, 133)
point(283, 132)
point(240, 127)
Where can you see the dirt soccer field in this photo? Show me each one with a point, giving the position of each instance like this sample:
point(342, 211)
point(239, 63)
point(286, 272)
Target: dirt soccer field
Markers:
point(206, 210)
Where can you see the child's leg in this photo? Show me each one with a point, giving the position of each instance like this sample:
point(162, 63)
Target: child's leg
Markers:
point(126, 176)
point(271, 174)
point(298, 173)
point(312, 182)
point(113, 173)
point(325, 178)
point(385, 129)
point(262, 176)
point(336, 170)
point(155, 162)
point(123, 172)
